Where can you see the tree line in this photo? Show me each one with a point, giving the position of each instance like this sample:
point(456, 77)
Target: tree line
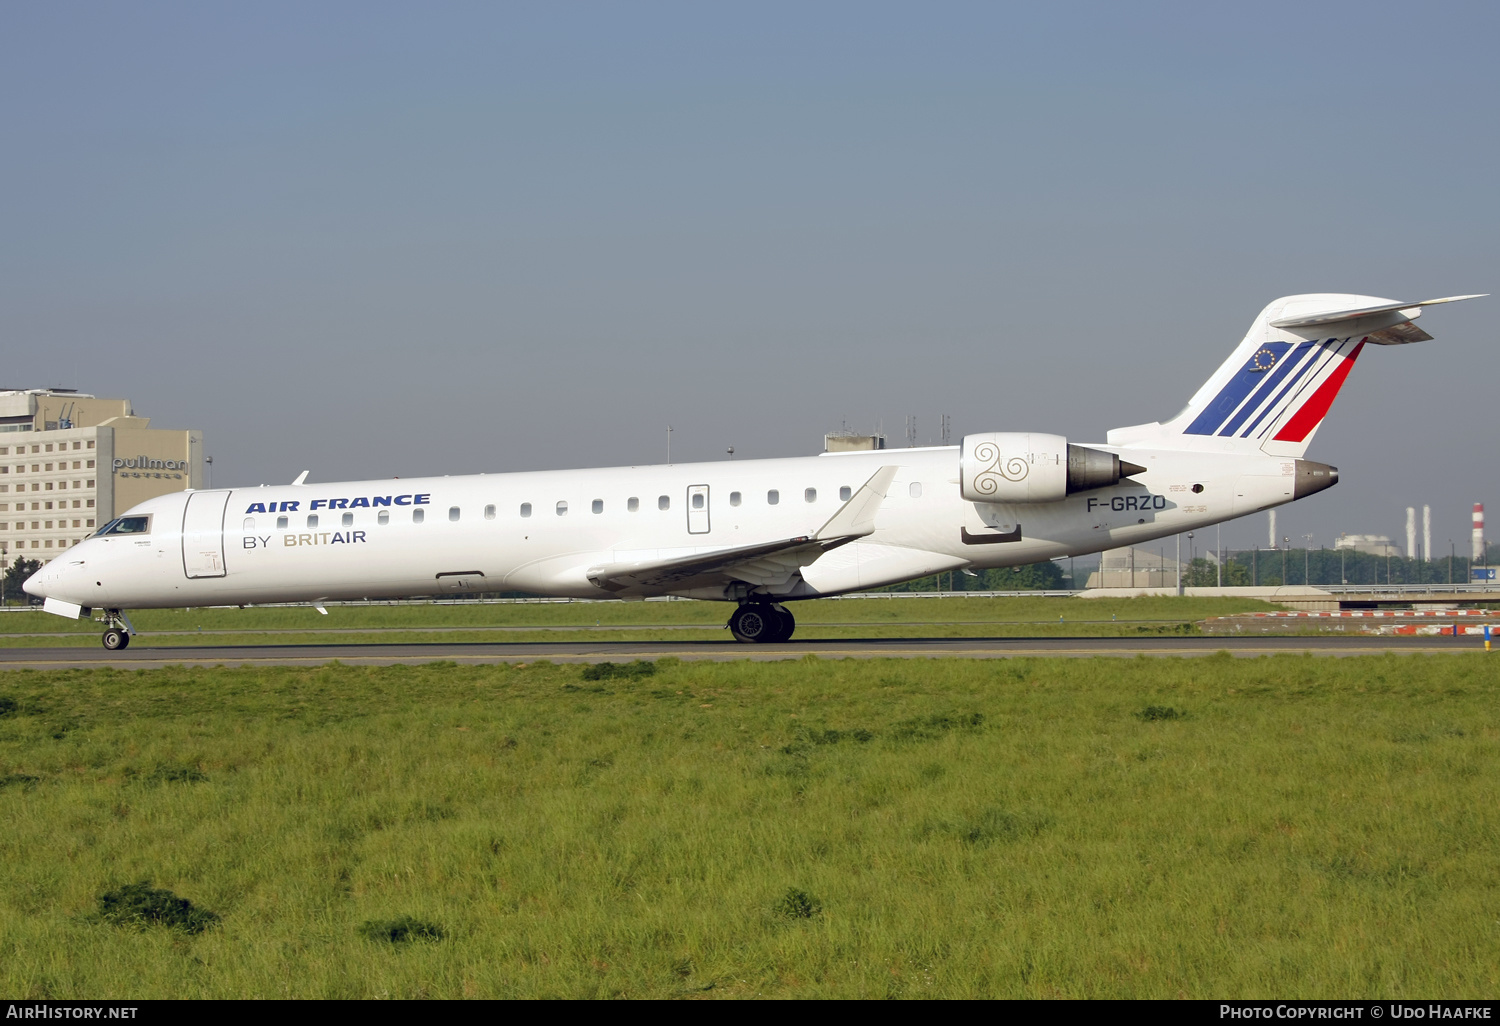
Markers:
point(1243, 568)
point(1274, 567)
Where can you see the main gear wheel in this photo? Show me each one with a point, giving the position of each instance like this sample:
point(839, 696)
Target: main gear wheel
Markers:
point(761, 622)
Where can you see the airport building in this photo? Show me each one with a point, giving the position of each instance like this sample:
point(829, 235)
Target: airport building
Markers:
point(70, 461)
point(844, 441)
point(1135, 568)
point(1370, 544)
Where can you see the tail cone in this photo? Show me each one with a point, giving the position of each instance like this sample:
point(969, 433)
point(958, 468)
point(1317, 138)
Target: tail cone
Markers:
point(1313, 478)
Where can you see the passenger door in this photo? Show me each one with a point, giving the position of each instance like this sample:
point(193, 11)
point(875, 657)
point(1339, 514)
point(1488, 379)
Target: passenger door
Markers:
point(203, 534)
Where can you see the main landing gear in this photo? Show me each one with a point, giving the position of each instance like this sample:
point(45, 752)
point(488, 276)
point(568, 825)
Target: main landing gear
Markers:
point(756, 622)
point(117, 630)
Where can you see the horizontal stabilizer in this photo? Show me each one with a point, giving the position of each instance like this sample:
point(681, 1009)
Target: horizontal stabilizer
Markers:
point(1335, 316)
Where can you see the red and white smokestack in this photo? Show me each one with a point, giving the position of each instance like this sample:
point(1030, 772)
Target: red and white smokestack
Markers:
point(1478, 554)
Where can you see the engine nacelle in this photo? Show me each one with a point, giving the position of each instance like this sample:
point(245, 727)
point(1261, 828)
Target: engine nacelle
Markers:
point(1025, 466)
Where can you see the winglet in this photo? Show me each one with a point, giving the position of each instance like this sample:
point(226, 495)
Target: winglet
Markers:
point(856, 517)
point(302, 477)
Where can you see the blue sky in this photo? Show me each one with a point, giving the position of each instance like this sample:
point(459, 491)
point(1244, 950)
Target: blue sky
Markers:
point(375, 239)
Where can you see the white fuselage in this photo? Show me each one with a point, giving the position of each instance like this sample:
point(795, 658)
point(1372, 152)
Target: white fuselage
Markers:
point(256, 545)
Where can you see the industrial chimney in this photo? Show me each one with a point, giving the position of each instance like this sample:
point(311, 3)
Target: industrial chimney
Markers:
point(1411, 532)
point(1427, 533)
point(1478, 553)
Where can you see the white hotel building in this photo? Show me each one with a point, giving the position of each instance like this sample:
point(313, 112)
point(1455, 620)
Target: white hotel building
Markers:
point(70, 461)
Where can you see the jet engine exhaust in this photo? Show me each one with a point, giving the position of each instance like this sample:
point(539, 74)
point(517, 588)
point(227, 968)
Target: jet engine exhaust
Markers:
point(1090, 468)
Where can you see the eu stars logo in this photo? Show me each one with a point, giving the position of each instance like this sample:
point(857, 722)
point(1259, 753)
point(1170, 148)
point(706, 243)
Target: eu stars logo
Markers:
point(1263, 360)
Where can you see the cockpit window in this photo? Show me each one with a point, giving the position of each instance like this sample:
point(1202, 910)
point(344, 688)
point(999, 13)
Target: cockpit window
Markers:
point(127, 525)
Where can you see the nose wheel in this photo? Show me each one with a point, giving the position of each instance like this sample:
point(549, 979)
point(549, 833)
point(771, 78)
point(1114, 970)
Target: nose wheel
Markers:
point(117, 630)
point(762, 623)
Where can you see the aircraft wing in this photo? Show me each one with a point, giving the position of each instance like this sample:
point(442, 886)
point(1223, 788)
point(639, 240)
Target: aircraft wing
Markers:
point(766, 564)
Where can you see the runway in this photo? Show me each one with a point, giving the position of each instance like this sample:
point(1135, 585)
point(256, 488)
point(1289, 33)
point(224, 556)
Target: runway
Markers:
point(141, 655)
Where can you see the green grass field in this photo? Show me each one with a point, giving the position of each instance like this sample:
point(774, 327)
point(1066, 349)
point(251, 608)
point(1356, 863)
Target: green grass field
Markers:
point(635, 621)
point(1283, 826)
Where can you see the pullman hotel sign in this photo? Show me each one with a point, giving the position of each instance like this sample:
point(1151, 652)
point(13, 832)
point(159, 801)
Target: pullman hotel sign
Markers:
point(146, 466)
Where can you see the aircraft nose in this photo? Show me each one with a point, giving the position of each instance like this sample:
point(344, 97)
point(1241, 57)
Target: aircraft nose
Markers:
point(33, 585)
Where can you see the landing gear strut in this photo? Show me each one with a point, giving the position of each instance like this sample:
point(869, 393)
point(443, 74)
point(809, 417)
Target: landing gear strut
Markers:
point(757, 622)
point(117, 630)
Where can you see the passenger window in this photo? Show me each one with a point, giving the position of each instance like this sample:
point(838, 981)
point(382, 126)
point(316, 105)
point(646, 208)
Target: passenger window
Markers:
point(844, 493)
point(773, 497)
point(312, 521)
point(811, 495)
point(281, 523)
point(598, 506)
point(489, 512)
point(734, 498)
point(383, 517)
point(664, 502)
point(453, 513)
point(418, 515)
point(562, 508)
point(697, 500)
point(525, 509)
point(348, 519)
point(915, 489)
point(249, 523)
point(632, 504)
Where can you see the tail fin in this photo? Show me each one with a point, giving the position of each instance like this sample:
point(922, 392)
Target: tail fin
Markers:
point(1277, 385)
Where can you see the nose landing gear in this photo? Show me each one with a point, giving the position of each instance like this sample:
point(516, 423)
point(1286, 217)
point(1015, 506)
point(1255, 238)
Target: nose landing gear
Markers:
point(117, 630)
point(762, 622)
